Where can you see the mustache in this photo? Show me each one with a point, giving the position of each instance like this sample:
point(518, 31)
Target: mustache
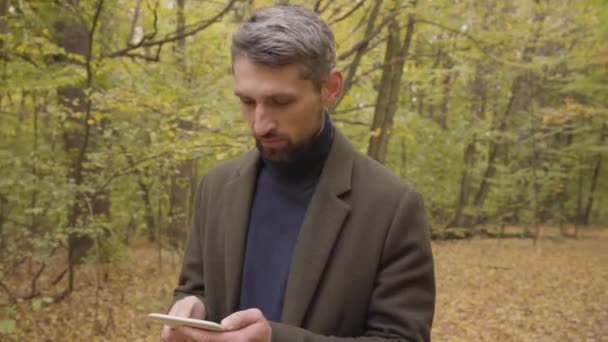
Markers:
point(271, 135)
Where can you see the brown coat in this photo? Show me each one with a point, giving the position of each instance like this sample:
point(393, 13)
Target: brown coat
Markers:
point(362, 264)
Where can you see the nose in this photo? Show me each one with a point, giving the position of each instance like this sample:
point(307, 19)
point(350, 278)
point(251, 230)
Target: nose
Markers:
point(263, 122)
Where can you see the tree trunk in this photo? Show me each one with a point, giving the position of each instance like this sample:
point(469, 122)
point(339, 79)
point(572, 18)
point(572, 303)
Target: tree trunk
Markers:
point(445, 100)
point(149, 213)
point(478, 108)
point(579, 192)
point(3, 205)
point(465, 184)
point(354, 65)
point(73, 37)
point(519, 100)
point(181, 189)
point(403, 158)
point(534, 161)
point(432, 101)
point(3, 201)
point(389, 90)
point(594, 179)
point(479, 87)
point(144, 193)
point(134, 20)
point(76, 38)
point(496, 148)
point(3, 23)
point(562, 197)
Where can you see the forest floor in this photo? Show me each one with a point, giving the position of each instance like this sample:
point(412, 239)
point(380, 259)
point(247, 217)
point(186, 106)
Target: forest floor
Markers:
point(487, 290)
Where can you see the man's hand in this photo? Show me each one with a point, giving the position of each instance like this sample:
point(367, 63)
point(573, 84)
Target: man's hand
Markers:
point(190, 307)
point(248, 325)
point(242, 326)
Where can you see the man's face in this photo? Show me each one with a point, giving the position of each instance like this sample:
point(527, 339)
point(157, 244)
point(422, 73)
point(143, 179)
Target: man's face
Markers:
point(283, 110)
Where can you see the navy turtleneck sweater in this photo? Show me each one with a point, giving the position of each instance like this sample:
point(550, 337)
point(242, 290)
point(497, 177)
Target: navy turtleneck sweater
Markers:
point(279, 204)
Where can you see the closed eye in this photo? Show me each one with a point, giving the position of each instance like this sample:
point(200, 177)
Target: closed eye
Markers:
point(282, 101)
point(246, 101)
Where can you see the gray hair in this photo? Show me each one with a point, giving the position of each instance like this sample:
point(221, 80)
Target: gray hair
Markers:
point(287, 34)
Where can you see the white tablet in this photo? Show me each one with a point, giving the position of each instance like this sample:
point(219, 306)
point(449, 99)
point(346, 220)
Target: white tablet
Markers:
point(176, 321)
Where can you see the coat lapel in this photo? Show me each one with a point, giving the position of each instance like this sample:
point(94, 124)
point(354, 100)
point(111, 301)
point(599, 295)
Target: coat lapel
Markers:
point(320, 230)
point(235, 216)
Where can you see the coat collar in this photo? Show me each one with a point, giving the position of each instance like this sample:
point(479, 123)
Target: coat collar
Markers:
point(321, 227)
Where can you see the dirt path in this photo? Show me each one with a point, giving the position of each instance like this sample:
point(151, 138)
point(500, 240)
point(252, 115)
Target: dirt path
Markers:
point(512, 291)
point(487, 291)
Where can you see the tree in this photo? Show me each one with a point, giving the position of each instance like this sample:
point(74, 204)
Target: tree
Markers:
point(389, 88)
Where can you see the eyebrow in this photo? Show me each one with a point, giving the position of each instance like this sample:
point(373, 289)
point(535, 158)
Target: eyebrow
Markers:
point(239, 94)
point(284, 94)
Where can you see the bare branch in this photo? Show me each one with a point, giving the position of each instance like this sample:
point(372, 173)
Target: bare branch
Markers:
point(361, 47)
point(451, 29)
point(321, 9)
point(136, 164)
point(317, 6)
point(353, 109)
point(483, 46)
point(21, 56)
point(60, 276)
point(154, 58)
point(61, 295)
point(347, 14)
point(95, 23)
point(361, 22)
point(376, 67)
point(324, 8)
point(362, 44)
point(11, 297)
point(154, 23)
point(34, 282)
point(174, 36)
point(352, 122)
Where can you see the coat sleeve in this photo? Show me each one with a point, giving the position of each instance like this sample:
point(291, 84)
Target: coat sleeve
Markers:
point(191, 278)
point(402, 304)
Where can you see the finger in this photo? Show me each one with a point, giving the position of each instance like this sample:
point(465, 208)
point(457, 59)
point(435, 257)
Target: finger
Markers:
point(189, 306)
point(198, 309)
point(164, 335)
point(184, 333)
point(180, 309)
point(242, 319)
point(169, 335)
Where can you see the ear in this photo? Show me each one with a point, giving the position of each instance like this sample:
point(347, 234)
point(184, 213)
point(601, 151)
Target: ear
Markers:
point(332, 88)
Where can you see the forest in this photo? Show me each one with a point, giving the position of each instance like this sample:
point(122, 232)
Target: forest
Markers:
point(496, 111)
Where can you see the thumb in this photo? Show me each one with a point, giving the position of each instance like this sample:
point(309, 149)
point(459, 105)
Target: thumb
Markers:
point(242, 319)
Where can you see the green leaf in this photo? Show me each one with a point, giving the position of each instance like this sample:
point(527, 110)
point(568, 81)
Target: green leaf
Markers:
point(7, 326)
point(38, 303)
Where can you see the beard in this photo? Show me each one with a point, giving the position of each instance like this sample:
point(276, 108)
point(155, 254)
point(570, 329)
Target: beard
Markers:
point(291, 152)
point(287, 155)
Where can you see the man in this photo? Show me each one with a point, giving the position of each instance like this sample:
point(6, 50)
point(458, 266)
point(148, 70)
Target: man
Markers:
point(303, 238)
